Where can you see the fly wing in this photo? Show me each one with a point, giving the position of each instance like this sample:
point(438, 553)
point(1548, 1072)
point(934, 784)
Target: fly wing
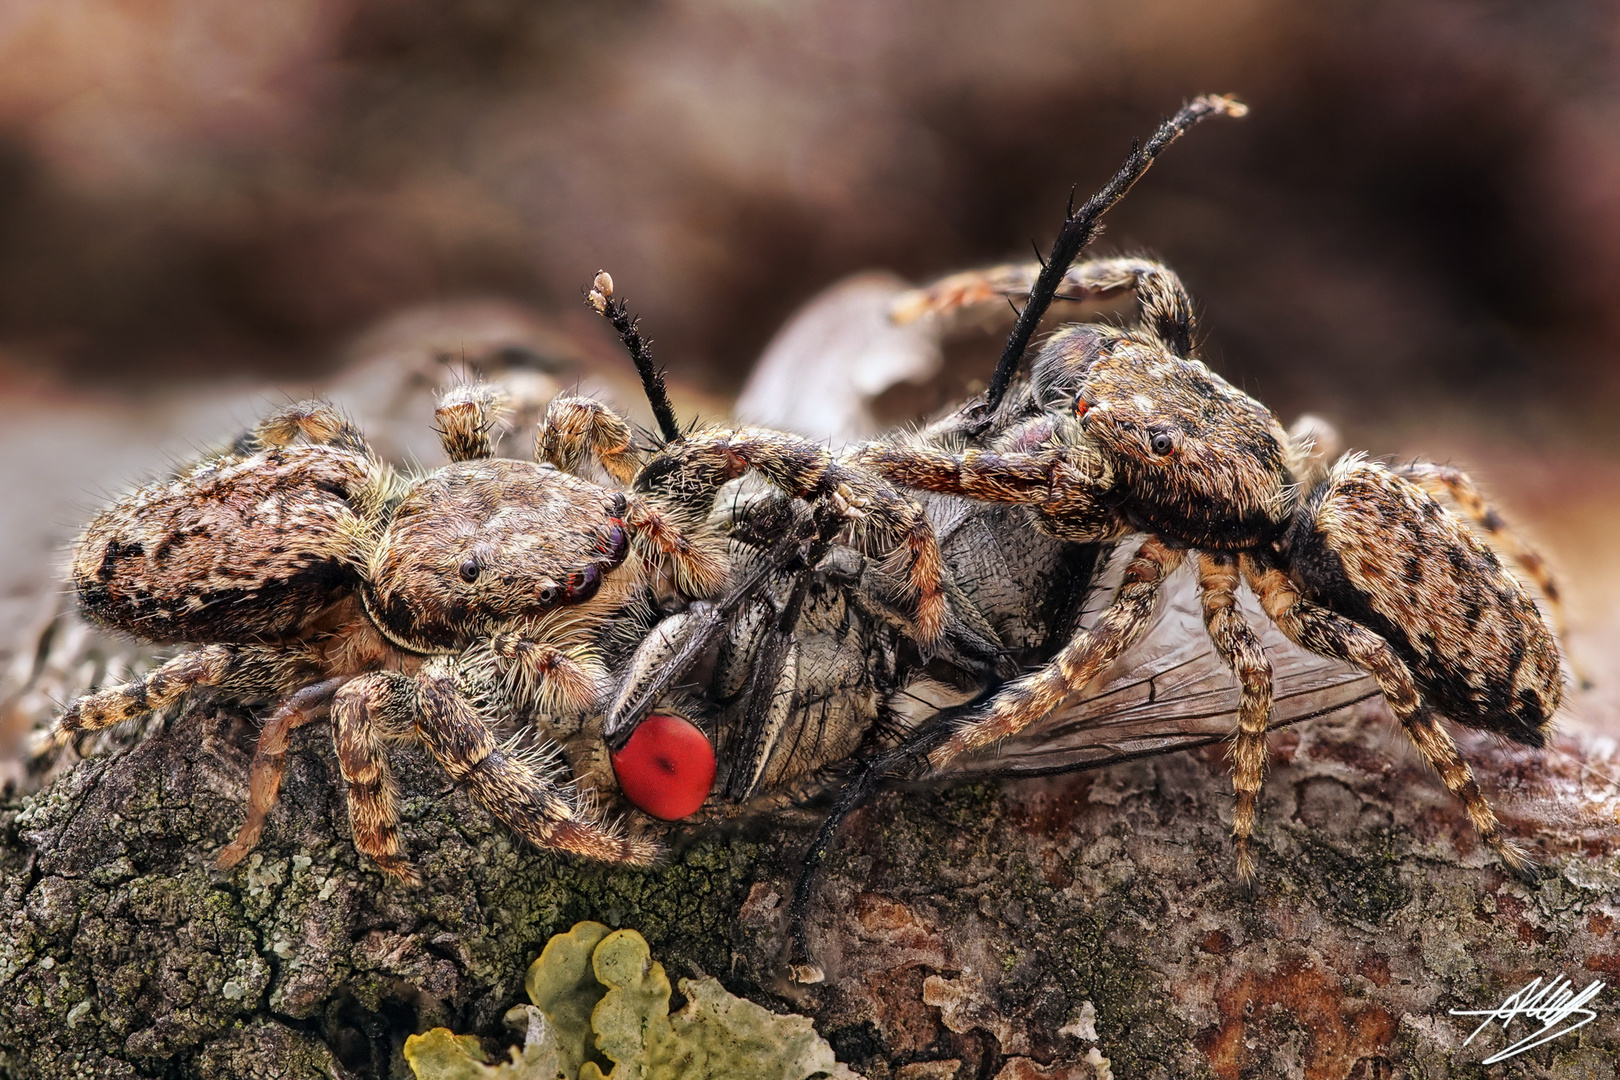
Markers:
point(1170, 692)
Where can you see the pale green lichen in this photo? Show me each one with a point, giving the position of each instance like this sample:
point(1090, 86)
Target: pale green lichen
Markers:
point(563, 985)
point(439, 1055)
point(601, 1002)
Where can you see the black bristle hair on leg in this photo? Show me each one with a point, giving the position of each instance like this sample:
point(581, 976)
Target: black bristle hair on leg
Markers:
point(600, 297)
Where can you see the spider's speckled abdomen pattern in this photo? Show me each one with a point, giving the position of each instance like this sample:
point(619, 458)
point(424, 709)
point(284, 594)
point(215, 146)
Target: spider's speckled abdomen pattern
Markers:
point(1379, 549)
point(235, 550)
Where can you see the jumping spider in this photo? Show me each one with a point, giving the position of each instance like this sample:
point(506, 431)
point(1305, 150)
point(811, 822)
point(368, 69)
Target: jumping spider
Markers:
point(1353, 560)
point(310, 574)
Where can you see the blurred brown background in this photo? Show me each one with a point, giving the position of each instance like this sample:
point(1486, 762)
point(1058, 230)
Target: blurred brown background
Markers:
point(1425, 199)
point(1416, 232)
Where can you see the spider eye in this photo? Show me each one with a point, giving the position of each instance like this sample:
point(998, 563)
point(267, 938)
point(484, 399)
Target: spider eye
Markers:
point(470, 568)
point(548, 595)
point(1161, 443)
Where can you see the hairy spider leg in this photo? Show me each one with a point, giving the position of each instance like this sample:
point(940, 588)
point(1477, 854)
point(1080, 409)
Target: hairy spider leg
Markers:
point(695, 555)
point(1120, 626)
point(270, 762)
point(1240, 647)
point(1162, 303)
point(244, 667)
point(1328, 634)
point(518, 787)
point(466, 419)
point(577, 429)
point(319, 422)
point(557, 676)
point(367, 714)
point(1063, 485)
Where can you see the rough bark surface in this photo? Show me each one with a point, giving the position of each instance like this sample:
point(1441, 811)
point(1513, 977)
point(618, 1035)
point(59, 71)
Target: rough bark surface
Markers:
point(1074, 926)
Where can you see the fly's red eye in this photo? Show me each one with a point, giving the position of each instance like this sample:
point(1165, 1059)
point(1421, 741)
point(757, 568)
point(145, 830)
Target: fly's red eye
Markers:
point(666, 768)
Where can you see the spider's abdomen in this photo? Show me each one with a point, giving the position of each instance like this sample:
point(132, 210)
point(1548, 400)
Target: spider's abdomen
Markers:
point(1378, 549)
point(236, 550)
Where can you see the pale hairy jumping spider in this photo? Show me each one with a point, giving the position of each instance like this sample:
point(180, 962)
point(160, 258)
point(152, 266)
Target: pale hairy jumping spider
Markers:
point(311, 575)
point(280, 559)
point(1354, 560)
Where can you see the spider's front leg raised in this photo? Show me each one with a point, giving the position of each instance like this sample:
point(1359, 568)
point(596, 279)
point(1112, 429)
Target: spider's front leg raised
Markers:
point(1162, 301)
point(1066, 486)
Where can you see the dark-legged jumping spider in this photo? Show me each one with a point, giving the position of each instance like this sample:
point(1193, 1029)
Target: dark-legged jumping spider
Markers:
point(311, 575)
point(1353, 560)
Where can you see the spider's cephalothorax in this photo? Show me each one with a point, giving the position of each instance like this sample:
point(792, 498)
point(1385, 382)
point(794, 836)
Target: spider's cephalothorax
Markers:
point(510, 543)
point(1356, 560)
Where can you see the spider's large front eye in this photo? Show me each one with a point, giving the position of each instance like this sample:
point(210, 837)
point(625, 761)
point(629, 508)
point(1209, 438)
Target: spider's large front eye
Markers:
point(1161, 443)
point(470, 569)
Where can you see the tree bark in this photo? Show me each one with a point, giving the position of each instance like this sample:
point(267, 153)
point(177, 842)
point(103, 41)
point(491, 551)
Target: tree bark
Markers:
point(1082, 925)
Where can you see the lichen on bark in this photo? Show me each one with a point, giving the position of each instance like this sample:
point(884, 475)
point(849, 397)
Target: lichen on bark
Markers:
point(124, 952)
point(1086, 925)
